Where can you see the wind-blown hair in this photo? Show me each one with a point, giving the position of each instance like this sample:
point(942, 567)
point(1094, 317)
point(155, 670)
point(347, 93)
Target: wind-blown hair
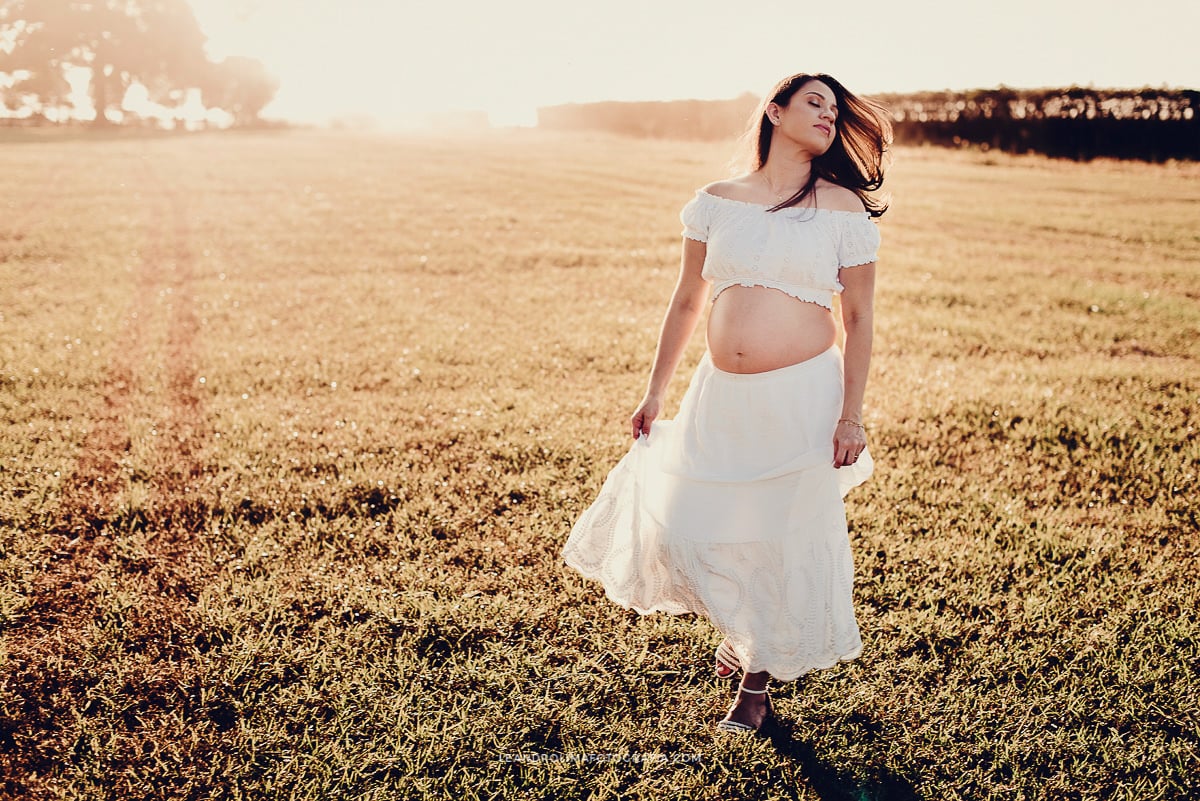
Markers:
point(855, 159)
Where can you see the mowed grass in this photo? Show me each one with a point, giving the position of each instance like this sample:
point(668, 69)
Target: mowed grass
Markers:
point(295, 425)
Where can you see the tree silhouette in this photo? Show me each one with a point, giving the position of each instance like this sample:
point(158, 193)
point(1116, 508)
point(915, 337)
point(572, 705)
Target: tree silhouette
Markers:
point(157, 43)
point(42, 91)
point(242, 86)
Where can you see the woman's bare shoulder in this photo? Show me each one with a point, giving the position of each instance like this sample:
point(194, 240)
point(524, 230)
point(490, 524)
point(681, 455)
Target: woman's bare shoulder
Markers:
point(837, 198)
point(731, 189)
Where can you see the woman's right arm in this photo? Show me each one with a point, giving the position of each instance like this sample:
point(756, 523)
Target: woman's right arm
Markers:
point(684, 311)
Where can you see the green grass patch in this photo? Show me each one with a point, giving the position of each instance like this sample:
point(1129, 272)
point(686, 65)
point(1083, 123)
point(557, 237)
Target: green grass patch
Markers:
point(295, 425)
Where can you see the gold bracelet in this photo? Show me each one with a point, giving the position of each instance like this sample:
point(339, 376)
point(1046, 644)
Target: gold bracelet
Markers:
point(852, 422)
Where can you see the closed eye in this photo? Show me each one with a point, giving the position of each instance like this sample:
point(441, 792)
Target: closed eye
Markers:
point(815, 98)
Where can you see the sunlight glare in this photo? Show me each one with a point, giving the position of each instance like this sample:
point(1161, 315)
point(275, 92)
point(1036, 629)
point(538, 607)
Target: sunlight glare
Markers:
point(393, 62)
point(513, 117)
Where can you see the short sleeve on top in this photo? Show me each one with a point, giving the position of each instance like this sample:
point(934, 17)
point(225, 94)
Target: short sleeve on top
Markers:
point(696, 217)
point(859, 241)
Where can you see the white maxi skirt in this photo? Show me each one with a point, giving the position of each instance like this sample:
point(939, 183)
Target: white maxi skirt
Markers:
point(733, 511)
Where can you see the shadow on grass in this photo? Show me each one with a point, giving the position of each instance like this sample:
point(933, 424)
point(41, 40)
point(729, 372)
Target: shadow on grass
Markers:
point(826, 780)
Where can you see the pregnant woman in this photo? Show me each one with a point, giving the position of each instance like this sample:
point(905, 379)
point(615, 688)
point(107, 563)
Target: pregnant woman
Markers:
point(733, 510)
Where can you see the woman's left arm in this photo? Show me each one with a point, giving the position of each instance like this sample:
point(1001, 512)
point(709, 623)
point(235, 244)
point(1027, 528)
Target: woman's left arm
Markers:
point(858, 318)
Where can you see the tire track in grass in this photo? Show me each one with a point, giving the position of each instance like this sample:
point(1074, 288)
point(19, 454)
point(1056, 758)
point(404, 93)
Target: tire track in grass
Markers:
point(95, 500)
point(183, 500)
point(187, 422)
point(92, 497)
point(150, 557)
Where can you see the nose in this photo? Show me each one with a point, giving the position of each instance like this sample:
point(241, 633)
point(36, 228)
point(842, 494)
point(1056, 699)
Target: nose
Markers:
point(827, 114)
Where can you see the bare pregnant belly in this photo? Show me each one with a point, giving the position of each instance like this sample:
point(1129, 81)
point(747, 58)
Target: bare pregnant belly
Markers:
point(753, 329)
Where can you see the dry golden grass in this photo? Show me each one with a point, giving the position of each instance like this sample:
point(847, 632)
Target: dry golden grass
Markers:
point(296, 424)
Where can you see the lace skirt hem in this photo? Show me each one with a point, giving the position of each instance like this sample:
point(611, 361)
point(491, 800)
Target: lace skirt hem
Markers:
point(733, 511)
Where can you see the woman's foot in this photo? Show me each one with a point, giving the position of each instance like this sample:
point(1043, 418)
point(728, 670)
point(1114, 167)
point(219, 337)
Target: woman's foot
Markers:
point(727, 663)
point(751, 707)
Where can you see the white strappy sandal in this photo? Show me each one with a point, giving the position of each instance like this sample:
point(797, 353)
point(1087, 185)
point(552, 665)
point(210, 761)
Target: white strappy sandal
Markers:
point(738, 726)
point(727, 662)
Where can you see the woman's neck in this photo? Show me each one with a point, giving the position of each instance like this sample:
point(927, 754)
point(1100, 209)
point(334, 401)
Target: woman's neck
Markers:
point(786, 172)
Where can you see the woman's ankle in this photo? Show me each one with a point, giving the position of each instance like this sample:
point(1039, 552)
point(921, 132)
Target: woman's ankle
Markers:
point(755, 683)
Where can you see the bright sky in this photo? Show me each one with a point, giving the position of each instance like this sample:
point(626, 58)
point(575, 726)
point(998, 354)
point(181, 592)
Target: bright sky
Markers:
point(390, 58)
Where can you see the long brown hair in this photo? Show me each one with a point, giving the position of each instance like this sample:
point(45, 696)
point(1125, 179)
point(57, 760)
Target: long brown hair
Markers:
point(855, 158)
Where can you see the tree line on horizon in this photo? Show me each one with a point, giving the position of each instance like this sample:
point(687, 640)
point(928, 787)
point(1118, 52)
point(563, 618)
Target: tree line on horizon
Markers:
point(157, 44)
point(1075, 123)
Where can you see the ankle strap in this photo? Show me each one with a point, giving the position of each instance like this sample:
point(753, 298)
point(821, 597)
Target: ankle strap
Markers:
point(745, 689)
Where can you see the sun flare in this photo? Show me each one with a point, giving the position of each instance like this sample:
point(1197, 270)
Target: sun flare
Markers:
point(396, 63)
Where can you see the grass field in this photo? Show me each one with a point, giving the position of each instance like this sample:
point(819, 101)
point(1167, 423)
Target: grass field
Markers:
point(295, 425)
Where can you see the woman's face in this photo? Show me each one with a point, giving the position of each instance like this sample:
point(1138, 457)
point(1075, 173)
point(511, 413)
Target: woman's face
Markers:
point(809, 118)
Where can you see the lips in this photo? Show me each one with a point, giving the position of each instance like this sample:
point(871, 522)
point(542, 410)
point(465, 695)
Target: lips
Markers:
point(825, 129)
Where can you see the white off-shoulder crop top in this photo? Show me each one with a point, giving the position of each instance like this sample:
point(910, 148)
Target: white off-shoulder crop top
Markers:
point(795, 250)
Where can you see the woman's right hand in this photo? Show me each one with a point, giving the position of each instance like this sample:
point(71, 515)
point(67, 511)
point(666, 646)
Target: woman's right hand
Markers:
point(647, 412)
